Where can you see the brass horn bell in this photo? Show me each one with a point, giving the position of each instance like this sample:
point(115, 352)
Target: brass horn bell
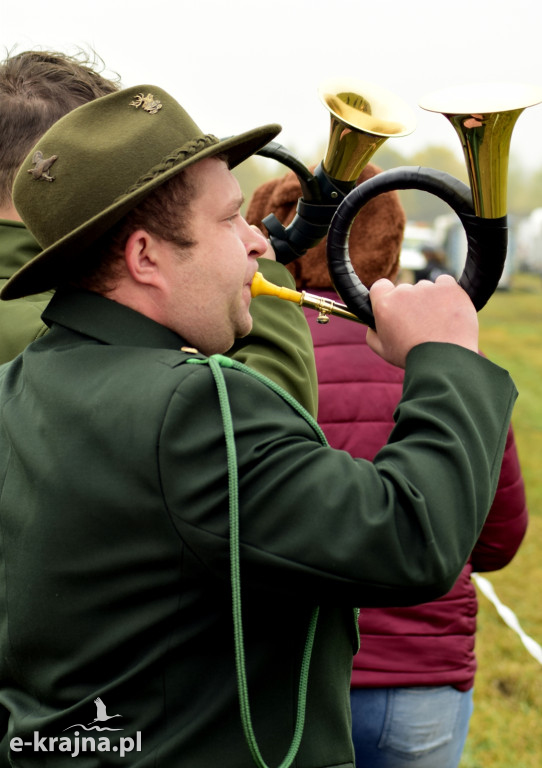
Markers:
point(483, 116)
point(363, 116)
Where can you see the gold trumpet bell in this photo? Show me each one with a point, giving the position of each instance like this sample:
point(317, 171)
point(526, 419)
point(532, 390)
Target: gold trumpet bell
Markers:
point(363, 116)
point(483, 116)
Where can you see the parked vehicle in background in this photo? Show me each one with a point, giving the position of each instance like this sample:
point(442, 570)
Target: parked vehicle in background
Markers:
point(415, 238)
point(446, 234)
point(529, 242)
point(450, 236)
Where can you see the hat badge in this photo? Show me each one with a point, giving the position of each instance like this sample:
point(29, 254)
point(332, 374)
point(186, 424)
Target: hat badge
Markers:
point(40, 171)
point(148, 103)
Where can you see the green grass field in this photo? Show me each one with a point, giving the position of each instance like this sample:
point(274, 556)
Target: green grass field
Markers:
point(506, 727)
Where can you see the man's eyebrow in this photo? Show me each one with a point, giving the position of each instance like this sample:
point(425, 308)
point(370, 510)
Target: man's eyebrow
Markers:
point(234, 204)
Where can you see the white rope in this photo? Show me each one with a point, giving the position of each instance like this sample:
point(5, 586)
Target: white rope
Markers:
point(508, 616)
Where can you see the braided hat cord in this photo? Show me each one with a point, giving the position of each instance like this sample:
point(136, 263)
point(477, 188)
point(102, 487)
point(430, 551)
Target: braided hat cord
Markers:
point(188, 150)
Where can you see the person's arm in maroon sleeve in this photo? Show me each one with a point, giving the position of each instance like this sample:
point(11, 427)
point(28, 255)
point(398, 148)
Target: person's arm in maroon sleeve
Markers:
point(506, 523)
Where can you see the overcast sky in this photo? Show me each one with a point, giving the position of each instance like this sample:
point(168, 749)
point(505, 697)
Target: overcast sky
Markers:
point(238, 64)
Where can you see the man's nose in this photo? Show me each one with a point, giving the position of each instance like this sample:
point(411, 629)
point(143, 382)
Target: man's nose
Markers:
point(257, 244)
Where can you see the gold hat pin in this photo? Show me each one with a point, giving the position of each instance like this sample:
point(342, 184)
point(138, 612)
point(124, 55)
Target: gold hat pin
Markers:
point(148, 103)
point(41, 166)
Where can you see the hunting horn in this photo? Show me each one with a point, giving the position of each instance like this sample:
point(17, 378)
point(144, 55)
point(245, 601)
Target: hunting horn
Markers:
point(483, 117)
point(362, 116)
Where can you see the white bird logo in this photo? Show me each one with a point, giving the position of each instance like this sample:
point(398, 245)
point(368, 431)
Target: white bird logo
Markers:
point(101, 712)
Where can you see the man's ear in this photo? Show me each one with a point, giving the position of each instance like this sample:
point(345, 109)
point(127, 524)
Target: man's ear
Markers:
point(142, 256)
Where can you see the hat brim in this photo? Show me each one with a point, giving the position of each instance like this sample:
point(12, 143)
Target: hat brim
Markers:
point(51, 266)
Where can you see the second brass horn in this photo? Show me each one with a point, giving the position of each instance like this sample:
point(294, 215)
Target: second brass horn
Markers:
point(362, 117)
point(484, 117)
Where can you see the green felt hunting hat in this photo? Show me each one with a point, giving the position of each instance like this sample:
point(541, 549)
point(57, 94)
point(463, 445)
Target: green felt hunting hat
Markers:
point(100, 161)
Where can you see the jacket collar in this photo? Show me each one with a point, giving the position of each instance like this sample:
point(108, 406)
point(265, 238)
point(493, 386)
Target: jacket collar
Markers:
point(108, 321)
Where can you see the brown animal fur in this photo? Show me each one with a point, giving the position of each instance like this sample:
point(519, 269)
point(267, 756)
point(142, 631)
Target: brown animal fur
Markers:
point(375, 239)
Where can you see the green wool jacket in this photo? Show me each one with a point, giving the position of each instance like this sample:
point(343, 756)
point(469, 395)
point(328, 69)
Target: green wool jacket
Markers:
point(20, 320)
point(124, 513)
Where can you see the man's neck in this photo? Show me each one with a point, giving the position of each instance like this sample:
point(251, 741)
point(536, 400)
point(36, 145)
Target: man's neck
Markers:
point(9, 212)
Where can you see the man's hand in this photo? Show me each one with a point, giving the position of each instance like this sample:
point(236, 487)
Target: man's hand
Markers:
point(407, 315)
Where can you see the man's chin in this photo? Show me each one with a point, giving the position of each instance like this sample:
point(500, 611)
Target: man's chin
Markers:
point(244, 331)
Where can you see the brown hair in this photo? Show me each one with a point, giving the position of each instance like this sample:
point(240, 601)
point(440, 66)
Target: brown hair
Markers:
point(164, 213)
point(37, 88)
point(374, 242)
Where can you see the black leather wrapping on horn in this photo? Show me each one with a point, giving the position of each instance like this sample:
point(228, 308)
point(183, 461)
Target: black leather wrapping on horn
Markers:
point(486, 238)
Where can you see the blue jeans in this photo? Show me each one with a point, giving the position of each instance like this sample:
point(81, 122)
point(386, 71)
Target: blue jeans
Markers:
point(422, 727)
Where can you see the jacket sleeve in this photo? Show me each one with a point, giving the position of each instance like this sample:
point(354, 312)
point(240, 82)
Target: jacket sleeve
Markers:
point(318, 523)
point(506, 524)
point(280, 344)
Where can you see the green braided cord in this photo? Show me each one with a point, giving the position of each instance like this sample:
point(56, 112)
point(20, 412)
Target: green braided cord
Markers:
point(214, 362)
point(189, 149)
point(227, 362)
